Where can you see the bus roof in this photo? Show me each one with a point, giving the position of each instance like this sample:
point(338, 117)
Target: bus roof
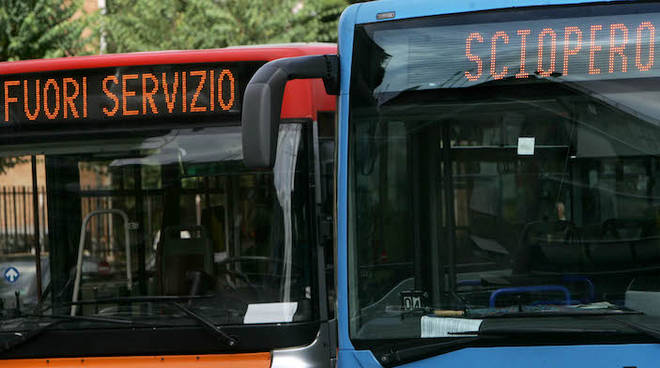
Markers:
point(368, 12)
point(303, 98)
point(237, 53)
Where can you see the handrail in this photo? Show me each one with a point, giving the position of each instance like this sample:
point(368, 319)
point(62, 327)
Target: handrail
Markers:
point(587, 281)
point(530, 289)
point(81, 248)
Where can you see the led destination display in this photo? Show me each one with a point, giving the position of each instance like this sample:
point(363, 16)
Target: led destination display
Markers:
point(138, 92)
point(518, 45)
point(579, 48)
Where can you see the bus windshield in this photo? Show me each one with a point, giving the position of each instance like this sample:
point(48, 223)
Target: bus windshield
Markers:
point(168, 213)
point(503, 163)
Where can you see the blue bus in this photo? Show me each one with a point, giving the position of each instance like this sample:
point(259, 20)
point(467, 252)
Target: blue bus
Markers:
point(497, 181)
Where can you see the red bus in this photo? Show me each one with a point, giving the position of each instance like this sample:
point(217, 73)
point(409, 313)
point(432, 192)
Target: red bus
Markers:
point(131, 233)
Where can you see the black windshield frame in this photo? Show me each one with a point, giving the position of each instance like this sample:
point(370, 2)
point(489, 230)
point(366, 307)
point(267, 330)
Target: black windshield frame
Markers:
point(165, 339)
point(365, 104)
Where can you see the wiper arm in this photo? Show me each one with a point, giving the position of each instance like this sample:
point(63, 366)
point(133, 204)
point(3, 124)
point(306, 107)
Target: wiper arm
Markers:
point(173, 300)
point(655, 333)
point(533, 330)
point(468, 338)
point(141, 299)
point(66, 317)
point(557, 313)
point(398, 356)
point(21, 338)
point(206, 323)
point(59, 318)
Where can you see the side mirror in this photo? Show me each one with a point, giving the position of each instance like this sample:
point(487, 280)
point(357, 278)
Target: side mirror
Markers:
point(262, 102)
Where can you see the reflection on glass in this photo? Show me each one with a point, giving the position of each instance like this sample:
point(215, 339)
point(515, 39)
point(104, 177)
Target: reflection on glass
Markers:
point(513, 194)
point(200, 225)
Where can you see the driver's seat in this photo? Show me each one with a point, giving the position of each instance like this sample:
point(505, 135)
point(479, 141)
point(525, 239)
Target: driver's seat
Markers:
point(185, 255)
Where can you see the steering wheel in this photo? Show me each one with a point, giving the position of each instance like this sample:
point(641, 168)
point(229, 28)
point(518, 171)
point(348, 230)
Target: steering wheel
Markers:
point(236, 274)
point(611, 228)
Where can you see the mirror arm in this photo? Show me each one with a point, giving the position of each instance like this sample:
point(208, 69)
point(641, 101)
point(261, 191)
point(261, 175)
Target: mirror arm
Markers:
point(262, 102)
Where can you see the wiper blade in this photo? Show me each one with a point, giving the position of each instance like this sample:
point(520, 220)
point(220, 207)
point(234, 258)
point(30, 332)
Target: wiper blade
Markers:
point(22, 338)
point(553, 313)
point(655, 333)
point(141, 299)
point(398, 356)
point(469, 338)
point(67, 317)
point(534, 330)
point(206, 323)
point(512, 331)
point(172, 300)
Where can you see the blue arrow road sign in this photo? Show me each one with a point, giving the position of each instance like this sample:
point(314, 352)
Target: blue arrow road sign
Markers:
point(11, 274)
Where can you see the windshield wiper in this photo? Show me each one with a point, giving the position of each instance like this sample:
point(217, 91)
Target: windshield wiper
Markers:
point(206, 323)
point(166, 299)
point(655, 333)
point(171, 300)
point(22, 338)
point(470, 338)
point(67, 317)
point(141, 299)
point(553, 313)
point(510, 331)
point(398, 356)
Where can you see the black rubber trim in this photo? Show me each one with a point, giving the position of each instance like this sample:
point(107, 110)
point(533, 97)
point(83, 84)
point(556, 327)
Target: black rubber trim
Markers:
point(60, 343)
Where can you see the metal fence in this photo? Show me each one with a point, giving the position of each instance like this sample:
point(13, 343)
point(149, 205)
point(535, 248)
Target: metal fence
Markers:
point(104, 233)
point(17, 219)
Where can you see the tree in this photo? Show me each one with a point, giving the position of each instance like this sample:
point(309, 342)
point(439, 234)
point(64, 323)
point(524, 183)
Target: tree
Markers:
point(35, 29)
point(147, 25)
point(144, 25)
point(317, 20)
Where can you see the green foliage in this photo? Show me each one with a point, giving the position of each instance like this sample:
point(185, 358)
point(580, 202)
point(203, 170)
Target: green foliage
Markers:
point(144, 25)
point(317, 21)
point(34, 29)
point(7, 163)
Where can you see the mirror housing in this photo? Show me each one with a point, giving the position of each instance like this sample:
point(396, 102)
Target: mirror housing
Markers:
point(262, 102)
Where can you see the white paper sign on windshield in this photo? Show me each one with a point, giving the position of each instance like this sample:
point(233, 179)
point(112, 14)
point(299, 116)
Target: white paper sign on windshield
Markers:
point(270, 313)
point(441, 327)
point(526, 145)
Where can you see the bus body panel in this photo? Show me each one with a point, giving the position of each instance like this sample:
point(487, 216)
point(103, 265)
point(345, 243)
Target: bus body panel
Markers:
point(618, 356)
point(421, 8)
point(255, 360)
point(300, 95)
point(346, 26)
point(246, 53)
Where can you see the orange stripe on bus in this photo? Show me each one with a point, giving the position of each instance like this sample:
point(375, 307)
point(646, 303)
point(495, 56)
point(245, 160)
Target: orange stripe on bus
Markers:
point(256, 360)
